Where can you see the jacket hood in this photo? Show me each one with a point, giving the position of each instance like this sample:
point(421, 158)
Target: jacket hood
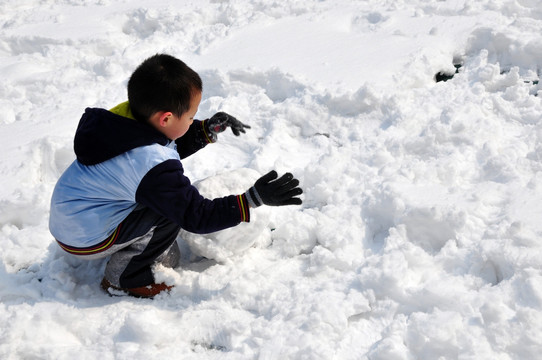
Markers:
point(102, 135)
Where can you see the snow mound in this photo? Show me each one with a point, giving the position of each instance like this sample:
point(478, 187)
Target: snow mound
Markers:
point(222, 245)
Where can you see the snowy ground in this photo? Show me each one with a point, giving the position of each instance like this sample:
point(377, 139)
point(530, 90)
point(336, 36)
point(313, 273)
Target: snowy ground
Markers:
point(420, 232)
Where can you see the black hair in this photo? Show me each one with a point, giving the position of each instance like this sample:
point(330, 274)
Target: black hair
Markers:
point(162, 83)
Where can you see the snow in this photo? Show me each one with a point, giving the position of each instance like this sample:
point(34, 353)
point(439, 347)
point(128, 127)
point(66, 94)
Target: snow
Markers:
point(419, 235)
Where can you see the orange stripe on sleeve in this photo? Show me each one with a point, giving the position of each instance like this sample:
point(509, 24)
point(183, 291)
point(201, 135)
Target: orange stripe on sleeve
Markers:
point(243, 208)
point(207, 137)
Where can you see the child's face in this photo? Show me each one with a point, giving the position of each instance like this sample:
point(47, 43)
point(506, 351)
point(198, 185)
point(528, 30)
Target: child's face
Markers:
point(178, 126)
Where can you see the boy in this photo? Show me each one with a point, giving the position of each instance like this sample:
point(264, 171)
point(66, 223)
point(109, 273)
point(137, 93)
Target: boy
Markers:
point(126, 195)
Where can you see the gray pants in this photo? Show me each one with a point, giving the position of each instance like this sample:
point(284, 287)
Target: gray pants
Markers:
point(144, 239)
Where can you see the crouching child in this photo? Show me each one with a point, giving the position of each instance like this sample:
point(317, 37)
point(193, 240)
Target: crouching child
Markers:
point(126, 195)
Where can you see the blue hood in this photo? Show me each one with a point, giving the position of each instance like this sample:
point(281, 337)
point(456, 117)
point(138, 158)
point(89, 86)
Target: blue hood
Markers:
point(101, 135)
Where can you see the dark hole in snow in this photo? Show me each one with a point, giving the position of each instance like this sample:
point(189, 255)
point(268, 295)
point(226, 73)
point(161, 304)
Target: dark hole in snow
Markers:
point(445, 76)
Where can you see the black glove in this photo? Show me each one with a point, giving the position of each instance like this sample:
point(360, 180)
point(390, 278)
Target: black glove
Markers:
point(220, 121)
point(273, 192)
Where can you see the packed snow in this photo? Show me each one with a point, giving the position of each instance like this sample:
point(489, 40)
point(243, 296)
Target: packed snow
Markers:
point(420, 234)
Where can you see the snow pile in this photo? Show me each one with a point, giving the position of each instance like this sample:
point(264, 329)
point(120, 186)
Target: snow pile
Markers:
point(222, 245)
point(419, 235)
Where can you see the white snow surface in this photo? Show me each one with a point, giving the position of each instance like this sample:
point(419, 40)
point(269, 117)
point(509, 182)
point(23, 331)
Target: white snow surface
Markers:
point(420, 232)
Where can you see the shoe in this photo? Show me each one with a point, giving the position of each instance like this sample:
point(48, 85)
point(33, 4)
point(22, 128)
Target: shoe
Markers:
point(148, 291)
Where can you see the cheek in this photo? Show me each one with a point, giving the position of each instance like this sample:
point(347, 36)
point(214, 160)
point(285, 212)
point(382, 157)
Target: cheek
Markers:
point(185, 126)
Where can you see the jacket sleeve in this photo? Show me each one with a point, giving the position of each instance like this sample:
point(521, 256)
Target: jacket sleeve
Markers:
point(168, 192)
point(196, 138)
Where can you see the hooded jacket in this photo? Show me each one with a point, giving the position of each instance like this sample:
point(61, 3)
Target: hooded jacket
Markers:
point(122, 163)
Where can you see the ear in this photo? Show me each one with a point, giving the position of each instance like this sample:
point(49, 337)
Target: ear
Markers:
point(164, 118)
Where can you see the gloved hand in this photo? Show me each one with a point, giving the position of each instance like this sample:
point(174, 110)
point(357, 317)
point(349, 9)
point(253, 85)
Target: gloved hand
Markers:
point(271, 191)
point(220, 121)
